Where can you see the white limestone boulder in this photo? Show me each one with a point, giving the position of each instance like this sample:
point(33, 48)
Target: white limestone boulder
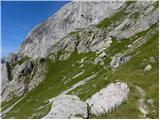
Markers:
point(106, 99)
point(67, 106)
point(148, 68)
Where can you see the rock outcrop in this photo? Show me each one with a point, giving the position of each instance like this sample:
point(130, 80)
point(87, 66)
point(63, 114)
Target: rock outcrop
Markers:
point(12, 57)
point(4, 75)
point(19, 84)
point(25, 69)
point(24, 78)
point(108, 98)
point(139, 17)
point(118, 60)
point(100, 58)
point(94, 40)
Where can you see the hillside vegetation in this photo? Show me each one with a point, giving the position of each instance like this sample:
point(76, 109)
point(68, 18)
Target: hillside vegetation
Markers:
point(78, 74)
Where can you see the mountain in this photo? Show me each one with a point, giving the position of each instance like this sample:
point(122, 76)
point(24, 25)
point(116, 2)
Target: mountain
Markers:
point(88, 60)
point(71, 16)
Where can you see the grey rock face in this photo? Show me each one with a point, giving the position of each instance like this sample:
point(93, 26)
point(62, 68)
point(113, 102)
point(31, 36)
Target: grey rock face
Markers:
point(93, 40)
point(119, 59)
point(12, 57)
point(38, 73)
point(25, 77)
point(84, 41)
point(110, 97)
point(13, 88)
point(100, 43)
point(67, 107)
point(129, 26)
point(4, 76)
point(73, 15)
point(25, 69)
point(47, 36)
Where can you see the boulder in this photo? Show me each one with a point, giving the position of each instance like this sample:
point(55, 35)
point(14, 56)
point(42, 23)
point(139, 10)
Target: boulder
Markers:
point(148, 68)
point(67, 107)
point(108, 98)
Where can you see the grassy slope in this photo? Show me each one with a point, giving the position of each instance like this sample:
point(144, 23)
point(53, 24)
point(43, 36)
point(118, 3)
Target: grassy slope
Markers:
point(133, 73)
point(61, 71)
point(53, 85)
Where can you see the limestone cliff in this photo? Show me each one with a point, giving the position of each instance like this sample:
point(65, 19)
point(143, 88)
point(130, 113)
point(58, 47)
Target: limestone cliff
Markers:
point(87, 53)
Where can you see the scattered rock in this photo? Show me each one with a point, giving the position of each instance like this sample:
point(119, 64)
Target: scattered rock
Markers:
point(133, 26)
point(64, 56)
point(152, 59)
point(110, 97)
point(100, 58)
point(150, 101)
point(119, 59)
point(129, 46)
point(148, 68)
point(141, 102)
point(67, 107)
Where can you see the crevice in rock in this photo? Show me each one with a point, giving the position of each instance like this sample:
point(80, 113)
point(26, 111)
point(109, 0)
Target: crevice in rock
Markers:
point(9, 71)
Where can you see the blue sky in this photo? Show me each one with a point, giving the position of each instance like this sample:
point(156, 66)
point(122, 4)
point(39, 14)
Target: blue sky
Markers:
point(18, 18)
